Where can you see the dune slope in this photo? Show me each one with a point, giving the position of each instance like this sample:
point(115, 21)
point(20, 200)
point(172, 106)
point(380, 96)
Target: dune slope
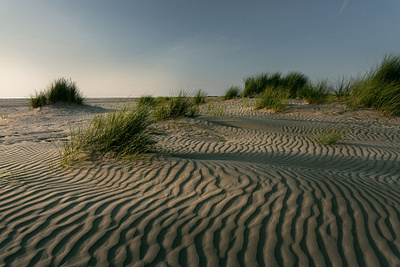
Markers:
point(224, 191)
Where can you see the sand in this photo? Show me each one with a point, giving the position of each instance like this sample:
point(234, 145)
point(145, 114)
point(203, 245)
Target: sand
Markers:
point(241, 188)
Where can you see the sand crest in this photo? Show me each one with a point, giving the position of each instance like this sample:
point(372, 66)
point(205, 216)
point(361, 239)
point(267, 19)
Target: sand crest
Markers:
point(241, 188)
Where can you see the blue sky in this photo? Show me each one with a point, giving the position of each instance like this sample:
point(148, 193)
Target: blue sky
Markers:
point(131, 48)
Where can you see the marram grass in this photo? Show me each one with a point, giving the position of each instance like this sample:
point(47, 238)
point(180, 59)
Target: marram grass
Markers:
point(316, 93)
point(121, 134)
point(293, 81)
point(330, 136)
point(39, 100)
point(274, 98)
point(199, 97)
point(147, 100)
point(61, 90)
point(179, 106)
point(343, 88)
point(379, 89)
point(232, 93)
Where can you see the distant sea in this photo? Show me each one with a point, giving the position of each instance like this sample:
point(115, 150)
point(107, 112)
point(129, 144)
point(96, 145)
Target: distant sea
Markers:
point(18, 105)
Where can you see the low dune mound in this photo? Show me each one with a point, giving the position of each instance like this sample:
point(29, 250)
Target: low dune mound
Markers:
point(245, 189)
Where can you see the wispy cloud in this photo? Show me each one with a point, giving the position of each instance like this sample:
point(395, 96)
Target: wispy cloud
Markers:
point(343, 6)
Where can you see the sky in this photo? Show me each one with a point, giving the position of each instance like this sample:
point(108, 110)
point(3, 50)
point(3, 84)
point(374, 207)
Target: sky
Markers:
point(159, 47)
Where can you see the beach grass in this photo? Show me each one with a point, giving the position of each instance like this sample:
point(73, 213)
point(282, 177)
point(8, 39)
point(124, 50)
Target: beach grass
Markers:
point(39, 100)
point(274, 98)
point(293, 82)
point(330, 136)
point(4, 115)
point(316, 93)
point(180, 106)
point(214, 109)
point(119, 134)
point(379, 89)
point(199, 97)
point(146, 100)
point(162, 100)
point(232, 93)
point(343, 88)
point(256, 84)
point(61, 90)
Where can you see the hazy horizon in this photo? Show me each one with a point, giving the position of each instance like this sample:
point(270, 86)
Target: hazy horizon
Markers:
point(131, 48)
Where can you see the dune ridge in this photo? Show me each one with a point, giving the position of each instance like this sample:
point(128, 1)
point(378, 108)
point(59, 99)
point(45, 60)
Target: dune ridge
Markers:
point(223, 191)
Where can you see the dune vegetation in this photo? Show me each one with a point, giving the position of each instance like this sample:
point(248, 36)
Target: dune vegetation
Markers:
point(199, 97)
point(273, 98)
point(180, 106)
point(147, 100)
point(330, 136)
point(124, 133)
point(379, 89)
point(232, 93)
point(317, 93)
point(61, 90)
point(121, 134)
point(292, 82)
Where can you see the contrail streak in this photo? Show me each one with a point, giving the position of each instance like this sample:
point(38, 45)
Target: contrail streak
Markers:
point(343, 6)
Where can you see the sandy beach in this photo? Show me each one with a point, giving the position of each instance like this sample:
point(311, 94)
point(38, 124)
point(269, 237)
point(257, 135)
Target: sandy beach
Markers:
point(231, 187)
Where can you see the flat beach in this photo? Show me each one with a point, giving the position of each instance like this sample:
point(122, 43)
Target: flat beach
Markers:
point(231, 187)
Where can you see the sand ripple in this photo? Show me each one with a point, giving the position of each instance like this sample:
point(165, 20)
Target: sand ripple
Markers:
point(226, 191)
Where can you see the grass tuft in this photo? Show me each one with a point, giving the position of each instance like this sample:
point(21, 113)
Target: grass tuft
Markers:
point(120, 134)
point(274, 98)
point(4, 115)
point(61, 90)
point(293, 81)
point(39, 100)
point(179, 106)
point(215, 110)
point(147, 100)
point(317, 93)
point(232, 93)
point(199, 97)
point(330, 136)
point(343, 88)
point(380, 88)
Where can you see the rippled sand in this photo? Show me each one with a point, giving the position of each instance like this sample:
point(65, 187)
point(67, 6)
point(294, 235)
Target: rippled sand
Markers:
point(231, 187)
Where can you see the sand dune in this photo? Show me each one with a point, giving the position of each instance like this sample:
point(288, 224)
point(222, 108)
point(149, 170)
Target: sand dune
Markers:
point(248, 188)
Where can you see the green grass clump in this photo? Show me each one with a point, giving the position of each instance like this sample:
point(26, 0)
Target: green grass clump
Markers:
point(39, 100)
point(317, 93)
point(343, 88)
point(179, 106)
point(293, 81)
point(199, 97)
point(388, 71)
point(254, 85)
point(162, 100)
point(4, 115)
point(147, 100)
point(61, 90)
point(119, 134)
point(385, 98)
point(274, 98)
point(232, 93)
point(330, 136)
point(380, 88)
point(215, 110)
